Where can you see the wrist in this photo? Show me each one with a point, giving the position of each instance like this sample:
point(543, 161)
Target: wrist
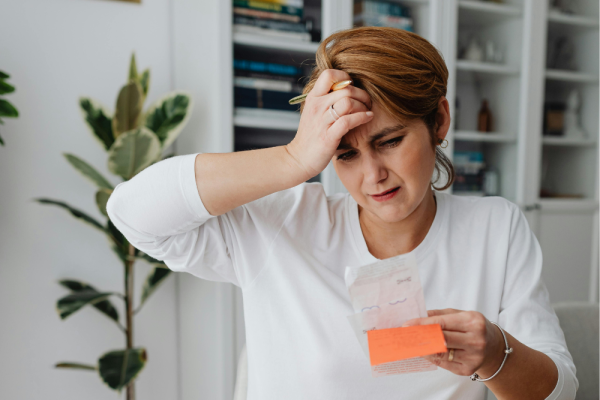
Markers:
point(296, 170)
point(494, 356)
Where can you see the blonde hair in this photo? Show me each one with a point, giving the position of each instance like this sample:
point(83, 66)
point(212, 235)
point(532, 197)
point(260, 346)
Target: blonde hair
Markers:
point(401, 71)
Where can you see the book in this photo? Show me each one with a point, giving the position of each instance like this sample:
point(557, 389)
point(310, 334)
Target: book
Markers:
point(385, 20)
point(261, 113)
point(268, 6)
point(266, 84)
point(295, 36)
point(249, 12)
point(285, 26)
point(266, 67)
point(469, 167)
point(260, 75)
point(381, 8)
point(259, 98)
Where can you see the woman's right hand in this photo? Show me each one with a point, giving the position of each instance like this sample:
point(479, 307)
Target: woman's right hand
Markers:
point(318, 133)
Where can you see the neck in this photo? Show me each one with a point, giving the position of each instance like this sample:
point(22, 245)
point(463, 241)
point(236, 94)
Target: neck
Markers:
point(389, 239)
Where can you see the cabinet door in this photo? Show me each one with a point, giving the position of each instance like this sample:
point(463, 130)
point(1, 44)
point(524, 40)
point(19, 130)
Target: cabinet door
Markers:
point(566, 238)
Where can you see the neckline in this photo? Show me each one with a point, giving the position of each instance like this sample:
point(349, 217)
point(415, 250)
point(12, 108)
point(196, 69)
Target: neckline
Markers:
point(420, 251)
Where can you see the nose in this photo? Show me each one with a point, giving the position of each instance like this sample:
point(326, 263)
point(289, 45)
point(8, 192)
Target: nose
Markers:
point(374, 169)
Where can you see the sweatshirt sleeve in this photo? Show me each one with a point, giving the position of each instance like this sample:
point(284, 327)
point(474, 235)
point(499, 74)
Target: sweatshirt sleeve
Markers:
point(161, 213)
point(525, 309)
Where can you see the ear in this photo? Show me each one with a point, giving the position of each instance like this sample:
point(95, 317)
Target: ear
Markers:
point(442, 119)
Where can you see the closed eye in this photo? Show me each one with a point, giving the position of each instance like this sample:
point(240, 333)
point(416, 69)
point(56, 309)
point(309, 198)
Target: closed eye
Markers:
point(393, 142)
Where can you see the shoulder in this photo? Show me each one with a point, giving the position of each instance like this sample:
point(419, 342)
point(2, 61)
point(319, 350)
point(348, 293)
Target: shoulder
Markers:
point(492, 210)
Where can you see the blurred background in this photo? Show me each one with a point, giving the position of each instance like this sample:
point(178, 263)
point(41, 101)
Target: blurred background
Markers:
point(216, 75)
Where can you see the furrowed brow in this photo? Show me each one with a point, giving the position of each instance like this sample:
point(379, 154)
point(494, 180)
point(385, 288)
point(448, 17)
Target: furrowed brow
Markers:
point(373, 138)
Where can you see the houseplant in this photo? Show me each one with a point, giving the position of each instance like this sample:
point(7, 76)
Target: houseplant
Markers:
point(6, 109)
point(133, 140)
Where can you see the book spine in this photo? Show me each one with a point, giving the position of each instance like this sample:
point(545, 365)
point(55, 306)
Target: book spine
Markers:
point(270, 24)
point(296, 36)
point(271, 68)
point(268, 99)
point(378, 7)
point(293, 3)
point(265, 84)
point(266, 6)
point(265, 14)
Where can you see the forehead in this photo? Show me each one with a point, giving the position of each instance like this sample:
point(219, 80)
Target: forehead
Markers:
point(379, 127)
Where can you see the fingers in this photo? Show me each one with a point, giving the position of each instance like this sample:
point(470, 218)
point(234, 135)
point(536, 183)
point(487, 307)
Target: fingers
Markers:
point(352, 92)
point(449, 322)
point(345, 106)
point(446, 311)
point(326, 80)
point(347, 122)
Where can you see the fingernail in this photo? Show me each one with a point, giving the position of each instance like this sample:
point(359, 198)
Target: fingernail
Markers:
point(370, 113)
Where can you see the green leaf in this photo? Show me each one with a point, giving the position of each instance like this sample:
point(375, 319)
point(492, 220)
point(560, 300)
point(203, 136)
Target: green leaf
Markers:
point(128, 108)
point(118, 368)
point(104, 306)
point(75, 366)
point(5, 87)
point(75, 301)
point(75, 212)
point(168, 116)
point(120, 245)
point(1, 141)
point(4, 75)
point(7, 109)
point(99, 121)
point(145, 81)
point(153, 280)
point(102, 196)
point(133, 74)
point(132, 152)
point(88, 171)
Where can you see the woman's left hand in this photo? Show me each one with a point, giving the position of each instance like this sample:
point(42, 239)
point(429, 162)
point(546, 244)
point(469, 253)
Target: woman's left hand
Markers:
point(478, 344)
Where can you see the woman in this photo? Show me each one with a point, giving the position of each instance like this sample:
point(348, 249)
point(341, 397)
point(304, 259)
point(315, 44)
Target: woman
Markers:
point(248, 218)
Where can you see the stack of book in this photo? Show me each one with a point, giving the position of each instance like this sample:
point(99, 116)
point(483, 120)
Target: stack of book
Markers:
point(274, 18)
point(381, 13)
point(263, 89)
point(469, 167)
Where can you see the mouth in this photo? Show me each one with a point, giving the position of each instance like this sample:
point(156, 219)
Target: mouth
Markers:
point(385, 196)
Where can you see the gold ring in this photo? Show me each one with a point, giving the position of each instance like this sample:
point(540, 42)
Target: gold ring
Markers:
point(451, 355)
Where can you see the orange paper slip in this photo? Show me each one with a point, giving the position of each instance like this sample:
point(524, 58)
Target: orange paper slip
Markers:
point(394, 344)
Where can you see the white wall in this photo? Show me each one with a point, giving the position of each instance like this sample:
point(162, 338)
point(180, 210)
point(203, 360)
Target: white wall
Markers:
point(56, 51)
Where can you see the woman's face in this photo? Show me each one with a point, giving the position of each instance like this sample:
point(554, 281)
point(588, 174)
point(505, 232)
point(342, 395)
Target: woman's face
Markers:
point(386, 154)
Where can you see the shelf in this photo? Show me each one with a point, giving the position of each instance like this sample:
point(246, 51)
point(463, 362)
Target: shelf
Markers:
point(564, 141)
point(574, 20)
point(492, 8)
point(266, 119)
point(473, 136)
point(570, 76)
point(485, 67)
point(274, 43)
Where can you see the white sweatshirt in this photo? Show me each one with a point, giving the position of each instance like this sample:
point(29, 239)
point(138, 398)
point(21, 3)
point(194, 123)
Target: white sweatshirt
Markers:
point(288, 251)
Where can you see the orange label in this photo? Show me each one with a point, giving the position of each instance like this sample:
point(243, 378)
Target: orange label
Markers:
point(394, 344)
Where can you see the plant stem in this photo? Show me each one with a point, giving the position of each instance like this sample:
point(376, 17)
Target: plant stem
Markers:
point(129, 313)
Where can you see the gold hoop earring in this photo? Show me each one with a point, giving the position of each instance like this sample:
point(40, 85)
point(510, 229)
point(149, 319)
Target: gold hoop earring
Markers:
point(443, 143)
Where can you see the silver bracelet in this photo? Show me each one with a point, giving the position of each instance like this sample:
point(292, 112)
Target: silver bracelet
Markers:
point(508, 350)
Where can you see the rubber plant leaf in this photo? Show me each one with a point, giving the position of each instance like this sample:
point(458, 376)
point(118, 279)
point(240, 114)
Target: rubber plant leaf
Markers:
point(88, 171)
point(75, 212)
point(73, 302)
point(128, 108)
point(132, 152)
point(4, 75)
point(73, 365)
point(8, 110)
point(118, 368)
point(98, 120)
point(104, 306)
point(6, 87)
point(153, 280)
point(168, 116)
point(102, 196)
point(119, 243)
